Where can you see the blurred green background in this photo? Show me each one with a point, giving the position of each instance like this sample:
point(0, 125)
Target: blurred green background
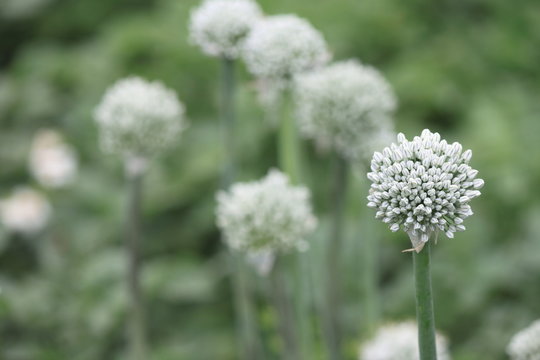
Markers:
point(466, 68)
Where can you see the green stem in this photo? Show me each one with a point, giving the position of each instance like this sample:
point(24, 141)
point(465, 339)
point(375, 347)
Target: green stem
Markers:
point(369, 284)
point(285, 315)
point(247, 330)
point(136, 327)
point(289, 147)
point(289, 156)
point(424, 304)
point(227, 121)
point(333, 326)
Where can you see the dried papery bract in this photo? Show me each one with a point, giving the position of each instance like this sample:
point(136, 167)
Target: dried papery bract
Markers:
point(220, 27)
point(25, 211)
point(423, 186)
point(52, 162)
point(137, 120)
point(525, 345)
point(397, 341)
point(347, 107)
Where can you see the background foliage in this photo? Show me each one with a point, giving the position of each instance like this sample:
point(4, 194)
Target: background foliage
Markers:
point(466, 68)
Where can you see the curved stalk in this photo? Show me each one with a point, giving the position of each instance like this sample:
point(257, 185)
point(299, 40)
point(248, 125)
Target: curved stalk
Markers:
point(424, 304)
point(227, 121)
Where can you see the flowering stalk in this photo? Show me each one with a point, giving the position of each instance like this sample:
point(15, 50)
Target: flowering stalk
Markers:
point(136, 327)
point(289, 159)
point(335, 244)
point(369, 255)
point(228, 90)
point(424, 304)
point(285, 314)
point(243, 302)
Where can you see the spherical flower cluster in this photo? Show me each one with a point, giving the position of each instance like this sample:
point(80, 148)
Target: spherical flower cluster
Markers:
point(220, 27)
point(52, 162)
point(346, 106)
point(25, 211)
point(139, 117)
point(399, 342)
point(268, 215)
point(525, 345)
point(423, 186)
point(282, 46)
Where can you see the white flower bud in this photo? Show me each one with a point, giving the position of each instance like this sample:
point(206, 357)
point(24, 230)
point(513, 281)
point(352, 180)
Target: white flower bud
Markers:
point(136, 117)
point(414, 177)
point(525, 345)
point(25, 211)
point(399, 342)
point(268, 215)
point(220, 27)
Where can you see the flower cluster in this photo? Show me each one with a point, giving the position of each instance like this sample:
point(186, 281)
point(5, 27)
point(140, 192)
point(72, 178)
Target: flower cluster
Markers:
point(52, 162)
point(423, 186)
point(25, 211)
point(282, 46)
point(346, 106)
point(525, 345)
point(268, 215)
point(399, 342)
point(139, 117)
point(220, 27)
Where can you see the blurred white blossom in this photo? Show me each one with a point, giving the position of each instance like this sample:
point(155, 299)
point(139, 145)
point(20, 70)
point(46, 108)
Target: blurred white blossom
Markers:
point(266, 216)
point(220, 27)
point(525, 345)
point(282, 46)
point(399, 341)
point(25, 211)
point(52, 162)
point(423, 186)
point(137, 117)
point(346, 106)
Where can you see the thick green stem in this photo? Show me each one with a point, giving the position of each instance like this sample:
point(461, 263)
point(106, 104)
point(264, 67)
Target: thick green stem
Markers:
point(333, 329)
point(227, 119)
point(286, 323)
point(136, 327)
point(289, 147)
point(247, 330)
point(289, 157)
point(369, 285)
point(424, 304)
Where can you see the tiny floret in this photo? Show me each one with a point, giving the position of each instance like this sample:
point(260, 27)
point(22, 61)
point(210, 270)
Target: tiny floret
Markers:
point(525, 345)
point(399, 342)
point(423, 186)
point(52, 162)
point(25, 211)
point(219, 27)
point(346, 106)
point(282, 46)
point(266, 216)
point(137, 117)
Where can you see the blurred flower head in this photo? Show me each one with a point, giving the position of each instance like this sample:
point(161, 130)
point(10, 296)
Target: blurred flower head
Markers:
point(52, 162)
point(269, 215)
point(220, 27)
point(423, 186)
point(525, 345)
point(282, 46)
point(25, 211)
point(399, 341)
point(346, 106)
point(137, 117)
